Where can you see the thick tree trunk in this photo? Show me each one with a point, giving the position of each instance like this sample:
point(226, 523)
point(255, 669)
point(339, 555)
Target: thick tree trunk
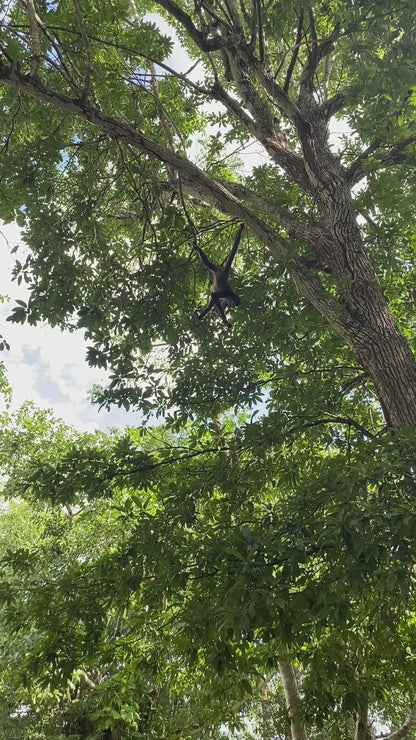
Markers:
point(363, 728)
point(292, 697)
point(366, 321)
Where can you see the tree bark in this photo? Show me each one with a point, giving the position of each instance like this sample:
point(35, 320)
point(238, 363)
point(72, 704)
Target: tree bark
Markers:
point(292, 697)
point(371, 330)
point(363, 728)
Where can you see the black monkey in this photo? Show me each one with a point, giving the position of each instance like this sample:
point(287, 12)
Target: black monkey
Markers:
point(221, 293)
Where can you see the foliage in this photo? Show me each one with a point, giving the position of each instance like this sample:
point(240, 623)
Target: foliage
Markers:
point(150, 596)
point(152, 579)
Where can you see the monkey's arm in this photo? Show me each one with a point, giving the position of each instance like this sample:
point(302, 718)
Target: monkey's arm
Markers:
point(230, 258)
point(204, 259)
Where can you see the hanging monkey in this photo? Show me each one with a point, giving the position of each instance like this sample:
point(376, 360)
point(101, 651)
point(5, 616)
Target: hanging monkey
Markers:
point(221, 293)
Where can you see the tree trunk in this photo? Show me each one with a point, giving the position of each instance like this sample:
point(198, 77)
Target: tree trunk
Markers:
point(363, 728)
point(362, 315)
point(292, 696)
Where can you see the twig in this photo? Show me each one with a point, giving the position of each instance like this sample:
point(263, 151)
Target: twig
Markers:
point(346, 420)
point(89, 68)
point(294, 54)
point(14, 116)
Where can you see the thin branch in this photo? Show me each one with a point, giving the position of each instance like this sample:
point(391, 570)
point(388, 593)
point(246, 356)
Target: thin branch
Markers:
point(89, 68)
point(167, 124)
point(345, 420)
point(394, 155)
point(403, 730)
point(231, 6)
point(261, 32)
point(295, 53)
point(34, 38)
point(13, 119)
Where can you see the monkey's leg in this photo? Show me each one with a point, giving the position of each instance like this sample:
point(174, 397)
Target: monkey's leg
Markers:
point(207, 309)
point(220, 309)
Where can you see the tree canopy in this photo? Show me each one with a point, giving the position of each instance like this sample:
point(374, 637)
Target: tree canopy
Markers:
point(247, 564)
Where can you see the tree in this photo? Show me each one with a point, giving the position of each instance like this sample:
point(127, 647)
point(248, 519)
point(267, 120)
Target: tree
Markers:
point(96, 168)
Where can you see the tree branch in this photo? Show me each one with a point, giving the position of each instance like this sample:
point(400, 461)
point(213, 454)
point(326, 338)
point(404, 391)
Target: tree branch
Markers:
point(355, 171)
point(318, 52)
point(295, 229)
point(403, 730)
point(201, 39)
point(393, 155)
point(333, 105)
point(345, 420)
point(295, 53)
point(89, 59)
point(34, 38)
point(272, 140)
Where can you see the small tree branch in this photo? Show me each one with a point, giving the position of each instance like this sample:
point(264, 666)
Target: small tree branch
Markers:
point(34, 37)
point(86, 86)
point(393, 155)
point(344, 420)
point(403, 730)
point(317, 53)
point(295, 53)
point(231, 6)
point(262, 51)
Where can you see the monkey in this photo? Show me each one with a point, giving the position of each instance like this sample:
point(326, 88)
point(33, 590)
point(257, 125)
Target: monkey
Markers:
point(221, 293)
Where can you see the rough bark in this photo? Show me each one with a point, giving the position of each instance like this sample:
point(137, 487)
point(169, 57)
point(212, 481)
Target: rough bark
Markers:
point(292, 697)
point(363, 728)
